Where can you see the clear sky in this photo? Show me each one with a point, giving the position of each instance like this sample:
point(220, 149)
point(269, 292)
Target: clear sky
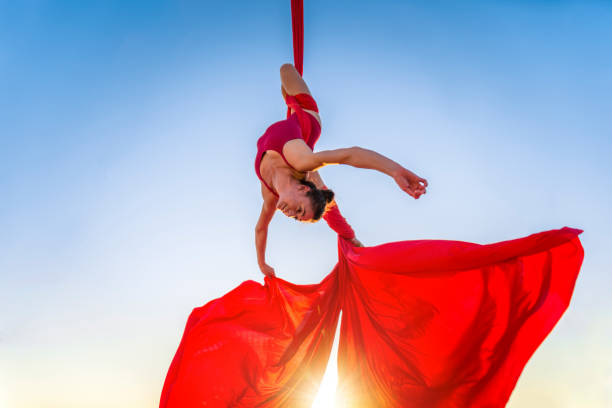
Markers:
point(127, 191)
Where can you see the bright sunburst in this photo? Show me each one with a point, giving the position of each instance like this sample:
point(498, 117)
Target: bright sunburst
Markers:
point(326, 395)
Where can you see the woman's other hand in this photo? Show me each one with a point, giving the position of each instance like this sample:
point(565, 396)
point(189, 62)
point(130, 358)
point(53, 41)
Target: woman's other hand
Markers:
point(356, 242)
point(412, 184)
point(267, 270)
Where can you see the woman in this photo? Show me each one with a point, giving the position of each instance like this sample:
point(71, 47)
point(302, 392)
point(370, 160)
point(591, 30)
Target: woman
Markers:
point(287, 166)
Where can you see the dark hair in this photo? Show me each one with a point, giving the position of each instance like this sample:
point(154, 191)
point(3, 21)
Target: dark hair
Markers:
point(319, 199)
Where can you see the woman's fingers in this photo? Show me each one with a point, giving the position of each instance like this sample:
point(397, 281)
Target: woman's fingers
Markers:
point(413, 185)
point(356, 242)
point(410, 192)
point(268, 270)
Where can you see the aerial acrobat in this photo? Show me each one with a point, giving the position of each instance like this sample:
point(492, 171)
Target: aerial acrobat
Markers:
point(287, 166)
point(426, 323)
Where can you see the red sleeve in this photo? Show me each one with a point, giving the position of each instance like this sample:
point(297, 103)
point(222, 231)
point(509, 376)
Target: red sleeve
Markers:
point(338, 223)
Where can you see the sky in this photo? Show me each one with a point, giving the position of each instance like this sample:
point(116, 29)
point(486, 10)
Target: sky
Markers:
point(127, 191)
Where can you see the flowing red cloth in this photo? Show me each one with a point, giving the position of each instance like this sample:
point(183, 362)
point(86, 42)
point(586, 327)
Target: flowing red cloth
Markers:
point(256, 346)
point(446, 323)
point(425, 323)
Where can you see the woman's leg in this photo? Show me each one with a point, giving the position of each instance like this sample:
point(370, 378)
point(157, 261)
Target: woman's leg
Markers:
point(292, 83)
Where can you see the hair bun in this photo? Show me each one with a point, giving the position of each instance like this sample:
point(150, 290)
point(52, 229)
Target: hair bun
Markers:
point(328, 195)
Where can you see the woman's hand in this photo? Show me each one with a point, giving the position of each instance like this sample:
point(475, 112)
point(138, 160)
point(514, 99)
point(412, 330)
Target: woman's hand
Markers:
point(356, 242)
point(410, 182)
point(267, 270)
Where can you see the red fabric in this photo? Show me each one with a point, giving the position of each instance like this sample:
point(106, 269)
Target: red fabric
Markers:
point(256, 346)
point(449, 324)
point(302, 101)
point(338, 223)
point(425, 323)
point(298, 103)
point(297, 27)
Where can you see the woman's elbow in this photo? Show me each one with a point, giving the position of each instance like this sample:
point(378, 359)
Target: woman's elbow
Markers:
point(307, 165)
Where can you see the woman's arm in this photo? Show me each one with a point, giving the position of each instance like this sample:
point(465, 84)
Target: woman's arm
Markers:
point(261, 230)
point(303, 159)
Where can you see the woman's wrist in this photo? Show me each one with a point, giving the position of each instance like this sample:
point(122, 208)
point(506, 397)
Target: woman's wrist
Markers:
point(395, 169)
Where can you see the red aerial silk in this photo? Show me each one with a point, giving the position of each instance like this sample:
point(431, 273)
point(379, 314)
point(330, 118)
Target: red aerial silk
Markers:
point(297, 28)
point(425, 323)
point(256, 346)
point(447, 323)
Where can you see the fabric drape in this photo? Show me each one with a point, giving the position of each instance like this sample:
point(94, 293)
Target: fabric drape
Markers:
point(259, 345)
point(425, 323)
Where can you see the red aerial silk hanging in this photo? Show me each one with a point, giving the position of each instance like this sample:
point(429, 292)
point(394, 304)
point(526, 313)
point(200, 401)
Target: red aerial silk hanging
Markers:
point(425, 324)
point(297, 28)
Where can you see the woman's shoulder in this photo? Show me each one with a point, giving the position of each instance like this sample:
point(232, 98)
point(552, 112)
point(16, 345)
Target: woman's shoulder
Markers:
point(299, 155)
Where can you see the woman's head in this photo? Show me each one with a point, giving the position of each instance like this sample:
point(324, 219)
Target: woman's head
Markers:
point(304, 202)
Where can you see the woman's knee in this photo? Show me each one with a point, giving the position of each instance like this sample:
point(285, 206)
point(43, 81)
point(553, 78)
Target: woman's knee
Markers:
point(287, 69)
point(292, 81)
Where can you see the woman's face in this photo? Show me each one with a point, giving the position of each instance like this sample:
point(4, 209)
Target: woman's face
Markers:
point(295, 204)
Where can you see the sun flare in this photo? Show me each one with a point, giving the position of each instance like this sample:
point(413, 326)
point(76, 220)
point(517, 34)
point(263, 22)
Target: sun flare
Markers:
point(327, 391)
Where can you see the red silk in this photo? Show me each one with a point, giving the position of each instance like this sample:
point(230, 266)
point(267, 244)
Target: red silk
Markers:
point(256, 346)
point(338, 223)
point(298, 103)
point(425, 323)
point(303, 101)
point(297, 28)
point(449, 324)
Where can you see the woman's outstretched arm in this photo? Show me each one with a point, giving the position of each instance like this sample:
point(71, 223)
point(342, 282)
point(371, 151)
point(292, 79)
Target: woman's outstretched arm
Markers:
point(303, 159)
point(261, 229)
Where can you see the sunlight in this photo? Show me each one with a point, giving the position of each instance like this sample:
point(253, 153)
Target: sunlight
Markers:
point(326, 395)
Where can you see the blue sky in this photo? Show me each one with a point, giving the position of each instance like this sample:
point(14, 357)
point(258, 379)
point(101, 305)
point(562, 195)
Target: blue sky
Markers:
point(127, 192)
